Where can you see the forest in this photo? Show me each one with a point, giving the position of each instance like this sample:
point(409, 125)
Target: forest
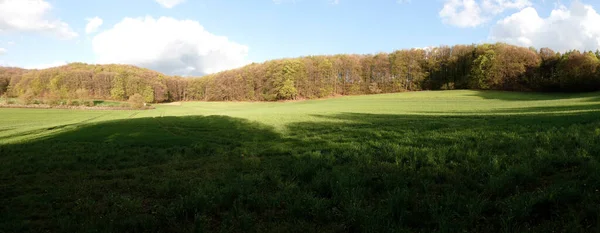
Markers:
point(479, 67)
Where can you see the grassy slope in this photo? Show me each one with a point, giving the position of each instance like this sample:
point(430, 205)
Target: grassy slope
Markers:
point(423, 161)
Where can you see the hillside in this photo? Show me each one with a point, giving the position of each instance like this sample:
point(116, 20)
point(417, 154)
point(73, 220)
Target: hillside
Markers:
point(481, 67)
point(116, 82)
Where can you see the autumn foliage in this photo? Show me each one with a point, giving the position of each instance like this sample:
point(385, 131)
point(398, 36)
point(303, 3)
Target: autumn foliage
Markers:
point(485, 67)
point(136, 101)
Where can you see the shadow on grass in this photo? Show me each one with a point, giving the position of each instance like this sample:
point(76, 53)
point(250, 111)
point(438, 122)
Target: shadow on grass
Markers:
point(551, 109)
point(97, 102)
point(350, 173)
point(532, 96)
point(103, 103)
point(594, 98)
point(529, 110)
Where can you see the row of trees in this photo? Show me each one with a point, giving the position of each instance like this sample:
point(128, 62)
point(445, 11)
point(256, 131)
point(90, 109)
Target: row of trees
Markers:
point(116, 82)
point(486, 67)
point(482, 67)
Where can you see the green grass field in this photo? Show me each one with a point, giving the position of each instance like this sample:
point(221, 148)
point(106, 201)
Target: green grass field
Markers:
point(448, 161)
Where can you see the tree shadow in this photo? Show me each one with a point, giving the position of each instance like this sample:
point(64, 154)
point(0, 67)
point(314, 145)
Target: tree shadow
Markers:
point(552, 109)
point(528, 110)
point(78, 175)
point(348, 173)
point(195, 135)
point(491, 172)
point(594, 99)
point(531, 96)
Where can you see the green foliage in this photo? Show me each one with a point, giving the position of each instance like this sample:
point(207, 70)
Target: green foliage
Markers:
point(409, 162)
point(482, 67)
point(136, 101)
point(149, 94)
point(325, 92)
point(118, 88)
point(4, 99)
point(287, 90)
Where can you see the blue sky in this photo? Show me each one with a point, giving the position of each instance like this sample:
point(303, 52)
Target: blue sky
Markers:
point(196, 37)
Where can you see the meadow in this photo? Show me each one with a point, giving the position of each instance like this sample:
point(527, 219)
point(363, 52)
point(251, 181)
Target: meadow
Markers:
point(431, 161)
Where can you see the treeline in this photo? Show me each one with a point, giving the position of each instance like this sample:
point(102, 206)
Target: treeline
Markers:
point(483, 67)
point(114, 82)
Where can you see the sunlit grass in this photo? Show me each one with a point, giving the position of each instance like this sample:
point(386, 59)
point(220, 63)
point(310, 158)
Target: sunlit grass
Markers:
point(14, 122)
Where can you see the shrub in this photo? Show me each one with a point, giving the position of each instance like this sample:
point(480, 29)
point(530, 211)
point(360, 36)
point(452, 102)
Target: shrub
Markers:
point(136, 101)
point(53, 99)
point(73, 103)
point(269, 97)
point(27, 97)
point(4, 99)
point(88, 103)
point(448, 86)
point(325, 92)
point(374, 88)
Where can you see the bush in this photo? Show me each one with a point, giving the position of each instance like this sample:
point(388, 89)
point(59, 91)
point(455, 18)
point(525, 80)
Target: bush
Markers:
point(136, 101)
point(374, 88)
point(269, 97)
point(26, 98)
point(88, 103)
point(448, 86)
point(73, 103)
point(53, 99)
point(4, 99)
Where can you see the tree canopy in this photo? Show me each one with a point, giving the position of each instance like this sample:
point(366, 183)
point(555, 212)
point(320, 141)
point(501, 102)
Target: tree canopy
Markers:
point(486, 67)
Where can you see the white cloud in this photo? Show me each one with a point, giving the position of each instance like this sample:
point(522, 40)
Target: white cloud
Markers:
point(472, 13)
point(32, 16)
point(462, 13)
point(11, 43)
point(2, 51)
point(93, 25)
point(46, 65)
point(169, 3)
point(577, 27)
point(172, 46)
point(499, 6)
